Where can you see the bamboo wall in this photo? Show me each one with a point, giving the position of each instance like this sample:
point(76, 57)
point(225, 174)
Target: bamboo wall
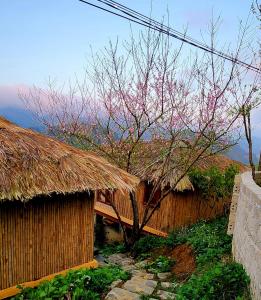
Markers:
point(176, 210)
point(44, 236)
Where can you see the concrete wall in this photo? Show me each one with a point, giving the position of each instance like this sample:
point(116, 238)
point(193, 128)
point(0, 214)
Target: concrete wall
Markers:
point(245, 224)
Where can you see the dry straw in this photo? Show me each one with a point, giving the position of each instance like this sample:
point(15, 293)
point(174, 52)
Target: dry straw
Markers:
point(33, 164)
point(149, 162)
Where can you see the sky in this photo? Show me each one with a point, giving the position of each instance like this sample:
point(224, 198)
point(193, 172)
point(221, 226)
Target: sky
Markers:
point(46, 38)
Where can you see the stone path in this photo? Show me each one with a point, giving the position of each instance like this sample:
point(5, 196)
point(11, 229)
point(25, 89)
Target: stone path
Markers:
point(140, 283)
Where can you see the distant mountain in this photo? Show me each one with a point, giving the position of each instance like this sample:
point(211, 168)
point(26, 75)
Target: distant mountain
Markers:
point(21, 117)
point(257, 146)
point(240, 151)
point(26, 119)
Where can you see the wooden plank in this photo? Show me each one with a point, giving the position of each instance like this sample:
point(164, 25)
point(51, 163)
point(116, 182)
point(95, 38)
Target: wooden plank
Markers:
point(107, 211)
point(12, 291)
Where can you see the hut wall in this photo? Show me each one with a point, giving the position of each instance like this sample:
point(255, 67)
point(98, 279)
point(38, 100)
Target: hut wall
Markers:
point(176, 210)
point(44, 236)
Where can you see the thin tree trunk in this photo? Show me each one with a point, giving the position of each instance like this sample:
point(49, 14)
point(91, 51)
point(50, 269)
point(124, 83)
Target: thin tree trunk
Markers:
point(125, 236)
point(250, 146)
point(248, 133)
point(135, 210)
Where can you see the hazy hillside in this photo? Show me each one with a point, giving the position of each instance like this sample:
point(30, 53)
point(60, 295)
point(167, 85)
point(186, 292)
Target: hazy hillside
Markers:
point(240, 151)
point(21, 117)
point(26, 119)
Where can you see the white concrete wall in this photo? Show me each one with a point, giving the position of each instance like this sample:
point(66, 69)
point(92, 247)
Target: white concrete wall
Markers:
point(245, 224)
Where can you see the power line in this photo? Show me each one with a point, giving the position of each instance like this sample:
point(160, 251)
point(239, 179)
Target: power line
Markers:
point(138, 18)
point(117, 5)
point(169, 31)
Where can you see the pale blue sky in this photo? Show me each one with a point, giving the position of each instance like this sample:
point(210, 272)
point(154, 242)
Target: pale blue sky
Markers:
point(53, 37)
point(42, 38)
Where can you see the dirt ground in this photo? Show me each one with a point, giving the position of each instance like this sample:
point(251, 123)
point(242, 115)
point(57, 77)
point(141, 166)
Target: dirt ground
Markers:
point(185, 262)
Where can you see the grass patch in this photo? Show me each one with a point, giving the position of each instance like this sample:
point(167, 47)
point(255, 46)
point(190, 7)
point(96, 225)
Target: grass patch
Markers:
point(208, 239)
point(161, 264)
point(88, 284)
point(109, 249)
point(221, 282)
point(145, 245)
point(216, 275)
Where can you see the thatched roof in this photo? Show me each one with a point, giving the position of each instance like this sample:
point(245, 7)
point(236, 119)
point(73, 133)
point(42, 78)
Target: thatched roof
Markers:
point(148, 164)
point(32, 164)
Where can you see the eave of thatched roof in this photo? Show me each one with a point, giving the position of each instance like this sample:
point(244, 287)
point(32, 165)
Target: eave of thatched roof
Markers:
point(148, 165)
point(32, 164)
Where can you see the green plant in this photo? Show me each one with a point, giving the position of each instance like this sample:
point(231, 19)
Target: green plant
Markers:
point(213, 183)
point(147, 243)
point(86, 284)
point(209, 240)
point(109, 249)
point(222, 282)
point(177, 237)
point(161, 264)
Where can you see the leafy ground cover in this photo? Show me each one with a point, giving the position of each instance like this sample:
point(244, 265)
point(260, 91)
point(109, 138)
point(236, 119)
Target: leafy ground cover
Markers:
point(109, 249)
point(208, 240)
point(203, 267)
point(161, 264)
point(221, 281)
point(87, 284)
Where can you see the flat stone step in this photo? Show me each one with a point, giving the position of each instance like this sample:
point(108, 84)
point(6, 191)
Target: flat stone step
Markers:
point(117, 258)
point(166, 285)
point(164, 276)
point(121, 294)
point(166, 295)
point(142, 274)
point(140, 285)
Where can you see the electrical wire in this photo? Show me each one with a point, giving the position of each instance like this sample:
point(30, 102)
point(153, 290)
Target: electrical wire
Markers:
point(140, 19)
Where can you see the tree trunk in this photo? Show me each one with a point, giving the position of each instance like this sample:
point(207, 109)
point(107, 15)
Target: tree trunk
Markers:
point(135, 211)
point(99, 231)
point(259, 164)
point(250, 148)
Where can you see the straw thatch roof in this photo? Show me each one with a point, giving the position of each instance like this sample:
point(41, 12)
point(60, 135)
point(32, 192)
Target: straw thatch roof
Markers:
point(148, 164)
point(32, 164)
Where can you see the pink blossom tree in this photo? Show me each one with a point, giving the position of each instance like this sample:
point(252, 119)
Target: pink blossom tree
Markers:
point(147, 92)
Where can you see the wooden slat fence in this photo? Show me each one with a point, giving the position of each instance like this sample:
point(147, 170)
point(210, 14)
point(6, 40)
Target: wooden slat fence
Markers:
point(176, 210)
point(44, 236)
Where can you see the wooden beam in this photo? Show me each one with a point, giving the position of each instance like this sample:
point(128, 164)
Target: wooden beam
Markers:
point(12, 291)
point(107, 211)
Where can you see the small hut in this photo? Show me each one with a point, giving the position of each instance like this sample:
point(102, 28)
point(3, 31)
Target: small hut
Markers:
point(184, 205)
point(47, 204)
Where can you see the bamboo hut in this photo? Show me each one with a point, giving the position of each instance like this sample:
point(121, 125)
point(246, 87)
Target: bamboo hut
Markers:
point(47, 204)
point(184, 205)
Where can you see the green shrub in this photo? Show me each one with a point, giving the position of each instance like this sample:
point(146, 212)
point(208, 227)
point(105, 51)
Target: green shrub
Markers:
point(222, 282)
point(86, 284)
point(109, 249)
point(161, 264)
point(213, 183)
point(147, 243)
point(209, 240)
